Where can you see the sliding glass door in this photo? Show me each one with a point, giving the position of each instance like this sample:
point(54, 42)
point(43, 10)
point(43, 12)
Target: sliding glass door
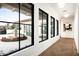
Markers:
point(16, 27)
point(26, 25)
point(9, 39)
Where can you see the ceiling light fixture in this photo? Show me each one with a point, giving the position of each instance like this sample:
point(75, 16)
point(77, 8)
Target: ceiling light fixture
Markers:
point(61, 5)
point(66, 15)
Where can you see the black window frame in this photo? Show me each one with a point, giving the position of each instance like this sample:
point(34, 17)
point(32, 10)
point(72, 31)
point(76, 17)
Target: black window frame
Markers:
point(52, 23)
point(43, 12)
point(57, 22)
point(32, 40)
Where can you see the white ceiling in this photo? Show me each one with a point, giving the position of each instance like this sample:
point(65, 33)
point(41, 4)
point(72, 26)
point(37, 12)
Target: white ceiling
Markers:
point(69, 8)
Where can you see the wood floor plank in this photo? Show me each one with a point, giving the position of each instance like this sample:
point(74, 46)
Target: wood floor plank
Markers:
point(63, 47)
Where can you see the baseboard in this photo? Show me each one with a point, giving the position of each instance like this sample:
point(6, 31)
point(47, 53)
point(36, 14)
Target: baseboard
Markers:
point(67, 37)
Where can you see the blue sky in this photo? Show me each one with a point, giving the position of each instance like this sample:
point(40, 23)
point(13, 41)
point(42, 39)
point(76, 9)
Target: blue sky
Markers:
point(10, 16)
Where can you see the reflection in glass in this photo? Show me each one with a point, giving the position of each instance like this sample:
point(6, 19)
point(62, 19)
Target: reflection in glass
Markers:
point(52, 26)
point(15, 32)
point(43, 25)
point(25, 23)
point(9, 12)
point(57, 27)
point(9, 38)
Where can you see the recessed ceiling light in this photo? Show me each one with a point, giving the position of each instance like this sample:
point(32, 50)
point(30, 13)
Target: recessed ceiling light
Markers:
point(66, 15)
point(61, 5)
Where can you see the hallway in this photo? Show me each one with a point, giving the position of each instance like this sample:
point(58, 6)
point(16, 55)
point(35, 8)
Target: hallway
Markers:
point(63, 47)
point(37, 28)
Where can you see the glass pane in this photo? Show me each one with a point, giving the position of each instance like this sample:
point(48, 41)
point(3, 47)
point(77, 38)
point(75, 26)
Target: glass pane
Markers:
point(40, 25)
point(44, 26)
point(26, 25)
point(57, 27)
point(9, 12)
point(51, 27)
point(9, 39)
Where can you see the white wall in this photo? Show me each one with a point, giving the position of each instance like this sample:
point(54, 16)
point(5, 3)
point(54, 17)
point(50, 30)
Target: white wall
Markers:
point(76, 27)
point(68, 34)
point(39, 47)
